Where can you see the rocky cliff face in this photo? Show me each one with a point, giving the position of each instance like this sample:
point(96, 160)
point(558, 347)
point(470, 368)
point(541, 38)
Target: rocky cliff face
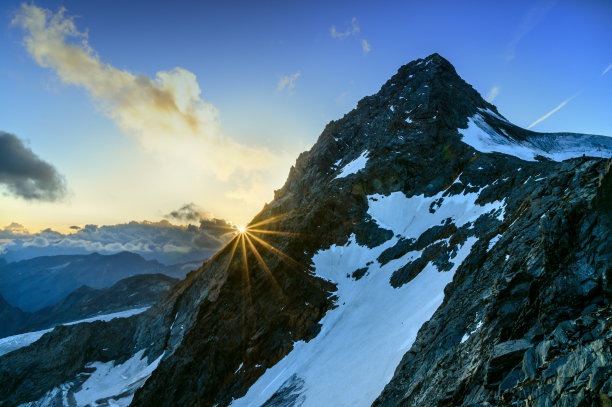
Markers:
point(422, 204)
point(528, 321)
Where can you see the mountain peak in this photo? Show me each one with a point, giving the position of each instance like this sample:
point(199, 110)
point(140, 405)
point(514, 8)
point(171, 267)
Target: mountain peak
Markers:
point(433, 68)
point(414, 206)
point(424, 116)
point(431, 63)
point(433, 89)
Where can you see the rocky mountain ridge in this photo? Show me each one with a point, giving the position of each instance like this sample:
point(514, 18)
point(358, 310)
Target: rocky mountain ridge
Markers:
point(408, 247)
point(133, 292)
point(44, 281)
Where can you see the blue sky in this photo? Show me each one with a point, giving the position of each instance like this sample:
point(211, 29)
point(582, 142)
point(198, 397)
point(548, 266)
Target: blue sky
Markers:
point(532, 56)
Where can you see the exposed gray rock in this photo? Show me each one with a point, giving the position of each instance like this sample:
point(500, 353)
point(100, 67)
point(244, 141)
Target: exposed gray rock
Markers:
point(288, 394)
point(536, 296)
point(506, 355)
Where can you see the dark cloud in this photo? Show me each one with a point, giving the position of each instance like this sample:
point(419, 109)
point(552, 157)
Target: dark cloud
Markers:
point(212, 227)
point(211, 231)
point(187, 213)
point(217, 227)
point(25, 175)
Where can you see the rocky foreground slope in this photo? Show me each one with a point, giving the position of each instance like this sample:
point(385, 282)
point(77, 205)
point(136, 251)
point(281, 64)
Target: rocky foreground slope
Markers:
point(425, 251)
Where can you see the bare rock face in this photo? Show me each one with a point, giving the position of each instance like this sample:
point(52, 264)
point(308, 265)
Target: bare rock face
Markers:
point(524, 320)
point(536, 328)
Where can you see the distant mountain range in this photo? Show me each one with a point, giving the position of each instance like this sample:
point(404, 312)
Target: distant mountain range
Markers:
point(132, 292)
point(44, 281)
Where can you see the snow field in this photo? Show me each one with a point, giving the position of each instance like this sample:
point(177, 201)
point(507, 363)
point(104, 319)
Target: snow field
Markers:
point(363, 340)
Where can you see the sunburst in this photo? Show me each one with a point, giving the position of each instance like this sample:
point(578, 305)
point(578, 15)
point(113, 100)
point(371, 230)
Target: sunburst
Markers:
point(250, 244)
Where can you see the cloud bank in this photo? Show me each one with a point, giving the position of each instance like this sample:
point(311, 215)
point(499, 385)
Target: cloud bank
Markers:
point(162, 241)
point(166, 114)
point(25, 175)
point(188, 213)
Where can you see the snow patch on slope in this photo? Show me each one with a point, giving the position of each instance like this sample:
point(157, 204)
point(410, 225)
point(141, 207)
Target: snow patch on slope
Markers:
point(484, 138)
point(467, 335)
point(110, 384)
point(410, 217)
point(120, 381)
point(493, 241)
point(557, 147)
point(363, 340)
point(354, 166)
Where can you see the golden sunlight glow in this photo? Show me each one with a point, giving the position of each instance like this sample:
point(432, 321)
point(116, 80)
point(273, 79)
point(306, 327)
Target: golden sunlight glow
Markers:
point(247, 241)
point(182, 138)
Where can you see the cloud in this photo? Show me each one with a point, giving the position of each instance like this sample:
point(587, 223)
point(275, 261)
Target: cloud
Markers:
point(365, 45)
point(528, 22)
point(188, 213)
point(352, 30)
point(14, 229)
point(341, 99)
point(288, 81)
point(25, 175)
point(547, 115)
point(163, 241)
point(493, 93)
point(165, 113)
point(605, 71)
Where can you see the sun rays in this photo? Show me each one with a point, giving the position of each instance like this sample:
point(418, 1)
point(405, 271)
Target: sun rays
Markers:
point(248, 237)
point(249, 249)
point(249, 246)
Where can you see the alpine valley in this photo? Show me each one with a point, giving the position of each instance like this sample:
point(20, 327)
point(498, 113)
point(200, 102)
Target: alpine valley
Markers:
point(424, 252)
